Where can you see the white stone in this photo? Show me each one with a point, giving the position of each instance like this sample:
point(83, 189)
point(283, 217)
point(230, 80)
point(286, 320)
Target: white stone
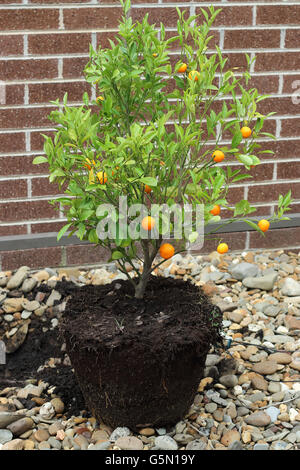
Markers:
point(47, 411)
point(293, 413)
point(237, 390)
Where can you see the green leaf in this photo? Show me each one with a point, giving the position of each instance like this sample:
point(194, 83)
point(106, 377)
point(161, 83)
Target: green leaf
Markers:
point(38, 160)
point(117, 255)
point(63, 231)
point(149, 181)
point(236, 140)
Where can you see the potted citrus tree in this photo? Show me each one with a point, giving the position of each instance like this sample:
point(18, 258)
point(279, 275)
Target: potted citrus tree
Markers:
point(145, 168)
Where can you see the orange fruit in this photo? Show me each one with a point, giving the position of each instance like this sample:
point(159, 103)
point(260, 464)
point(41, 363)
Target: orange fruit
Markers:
point(194, 75)
point(166, 250)
point(246, 132)
point(154, 54)
point(182, 68)
point(89, 163)
point(102, 177)
point(147, 189)
point(148, 223)
point(99, 99)
point(264, 225)
point(215, 210)
point(222, 248)
point(218, 156)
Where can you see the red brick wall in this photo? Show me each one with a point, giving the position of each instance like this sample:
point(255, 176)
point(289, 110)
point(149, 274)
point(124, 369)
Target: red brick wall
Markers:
point(44, 46)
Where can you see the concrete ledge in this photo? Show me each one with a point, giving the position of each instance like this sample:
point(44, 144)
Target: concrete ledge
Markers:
point(42, 240)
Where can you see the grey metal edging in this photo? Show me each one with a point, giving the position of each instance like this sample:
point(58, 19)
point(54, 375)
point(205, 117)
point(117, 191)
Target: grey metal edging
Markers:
point(43, 240)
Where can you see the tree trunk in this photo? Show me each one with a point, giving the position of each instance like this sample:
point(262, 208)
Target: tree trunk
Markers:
point(141, 286)
point(149, 256)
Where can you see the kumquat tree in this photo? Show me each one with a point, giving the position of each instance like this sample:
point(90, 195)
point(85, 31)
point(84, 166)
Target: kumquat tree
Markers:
point(161, 134)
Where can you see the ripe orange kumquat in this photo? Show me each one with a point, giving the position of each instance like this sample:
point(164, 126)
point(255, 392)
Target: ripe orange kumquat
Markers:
point(215, 210)
point(264, 225)
point(166, 250)
point(102, 177)
point(246, 132)
point(222, 248)
point(88, 165)
point(182, 68)
point(147, 189)
point(218, 156)
point(194, 75)
point(148, 223)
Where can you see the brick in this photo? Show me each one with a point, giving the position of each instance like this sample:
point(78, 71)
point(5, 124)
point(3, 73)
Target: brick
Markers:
point(42, 187)
point(47, 227)
point(280, 105)
point(37, 140)
point(232, 16)
point(67, 43)
point(270, 192)
point(276, 238)
point(290, 127)
point(265, 84)
point(262, 172)
point(7, 230)
point(103, 39)
point(235, 60)
point(291, 84)
point(29, 19)
point(58, 2)
point(91, 18)
point(13, 189)
point(73, 67)
point(26, 210)
point(292, 38)
point(28, 69)
point(168, 16)
point(21, 165)
point(24, 118)
point(11, 142)
point(86, 254)
point(278, 14)
point(288, 170)
point(277, 61)
point(234, 194)
point(243, 39)
point(11, 45)
point(14, 94)
point(33, 258)
point(215, 40)
point(282, 149)
point(46, 92)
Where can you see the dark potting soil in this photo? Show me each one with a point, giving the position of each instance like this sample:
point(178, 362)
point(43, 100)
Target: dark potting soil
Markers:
point(115, 318)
